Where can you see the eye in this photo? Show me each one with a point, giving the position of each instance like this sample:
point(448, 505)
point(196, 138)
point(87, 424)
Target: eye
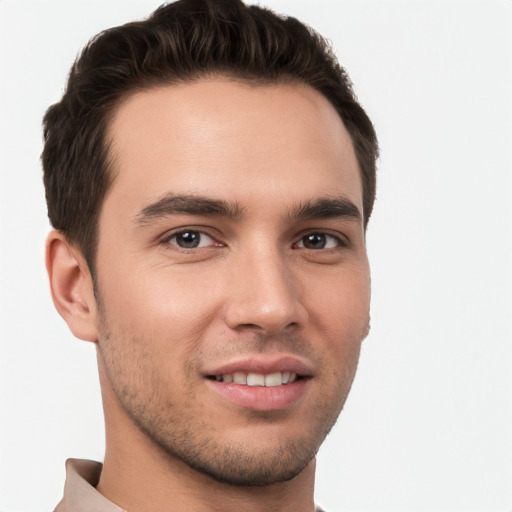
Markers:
point(319, 241)
point(190, 239)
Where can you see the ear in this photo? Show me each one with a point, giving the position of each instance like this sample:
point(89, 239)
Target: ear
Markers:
point(71, 286)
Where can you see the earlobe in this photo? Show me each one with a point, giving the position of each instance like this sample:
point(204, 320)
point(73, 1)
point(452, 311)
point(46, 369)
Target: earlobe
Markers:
point(71, 286)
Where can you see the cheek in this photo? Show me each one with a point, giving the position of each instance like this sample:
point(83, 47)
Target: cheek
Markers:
point(339, 321)
point(172, 290)
point(340, 303)
point(171, 306)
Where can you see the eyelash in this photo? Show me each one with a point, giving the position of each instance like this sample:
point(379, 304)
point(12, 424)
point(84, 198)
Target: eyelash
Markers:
point(340, 241)
point(167, 239)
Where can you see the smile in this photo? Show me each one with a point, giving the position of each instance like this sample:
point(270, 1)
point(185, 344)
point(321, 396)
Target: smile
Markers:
point(261, 384)
point(257, 379)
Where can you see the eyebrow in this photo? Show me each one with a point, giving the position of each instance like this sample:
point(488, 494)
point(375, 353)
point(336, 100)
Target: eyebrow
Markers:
point(322, 208)
point(172, 204)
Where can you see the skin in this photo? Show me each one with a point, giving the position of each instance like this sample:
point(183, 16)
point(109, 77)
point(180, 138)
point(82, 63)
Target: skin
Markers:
point(165, 315)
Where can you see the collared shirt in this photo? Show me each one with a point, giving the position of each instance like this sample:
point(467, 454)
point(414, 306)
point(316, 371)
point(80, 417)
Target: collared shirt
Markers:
point(80, 494)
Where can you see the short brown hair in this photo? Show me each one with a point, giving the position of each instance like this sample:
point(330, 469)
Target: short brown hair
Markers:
point(180, 42)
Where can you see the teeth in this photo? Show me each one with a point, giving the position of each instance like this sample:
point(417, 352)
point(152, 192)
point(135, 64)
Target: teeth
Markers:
point(258, 379)
point(273, 379)
point(255, 379)
point(239, 378)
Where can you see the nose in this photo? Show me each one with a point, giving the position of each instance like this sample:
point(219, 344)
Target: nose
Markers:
point(264, 295)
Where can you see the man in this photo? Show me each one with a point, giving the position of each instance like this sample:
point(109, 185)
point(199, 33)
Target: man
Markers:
point(210, 175)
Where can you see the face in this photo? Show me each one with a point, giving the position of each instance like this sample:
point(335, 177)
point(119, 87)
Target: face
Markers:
point(232, 276)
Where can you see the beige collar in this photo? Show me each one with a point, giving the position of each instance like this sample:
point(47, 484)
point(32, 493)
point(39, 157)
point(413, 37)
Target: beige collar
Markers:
point(80, 494)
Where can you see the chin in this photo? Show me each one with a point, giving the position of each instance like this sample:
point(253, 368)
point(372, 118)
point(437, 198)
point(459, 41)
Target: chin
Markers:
point(237, 466)
point(262, 454)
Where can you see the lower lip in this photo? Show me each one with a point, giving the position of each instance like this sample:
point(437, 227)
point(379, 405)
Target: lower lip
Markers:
point(261, 398)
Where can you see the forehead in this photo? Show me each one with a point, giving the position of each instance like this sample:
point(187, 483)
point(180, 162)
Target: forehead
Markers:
point(227, 139)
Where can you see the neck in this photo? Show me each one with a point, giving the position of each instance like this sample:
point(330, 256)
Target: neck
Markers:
point(139, 476)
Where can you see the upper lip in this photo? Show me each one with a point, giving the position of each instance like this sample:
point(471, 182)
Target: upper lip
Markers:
point(263, 365)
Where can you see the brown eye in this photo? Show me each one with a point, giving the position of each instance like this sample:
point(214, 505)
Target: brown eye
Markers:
point(319, 241)
point(314, 241)
point(191, 239)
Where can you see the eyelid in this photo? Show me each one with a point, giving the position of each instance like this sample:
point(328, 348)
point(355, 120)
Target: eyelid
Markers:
point(202, 230)
point(343, 240)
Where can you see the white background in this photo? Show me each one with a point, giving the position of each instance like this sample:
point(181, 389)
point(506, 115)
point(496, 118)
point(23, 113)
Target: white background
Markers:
point(428, 425)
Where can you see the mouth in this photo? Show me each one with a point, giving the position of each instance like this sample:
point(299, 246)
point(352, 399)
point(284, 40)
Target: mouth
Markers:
point(259, 384)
